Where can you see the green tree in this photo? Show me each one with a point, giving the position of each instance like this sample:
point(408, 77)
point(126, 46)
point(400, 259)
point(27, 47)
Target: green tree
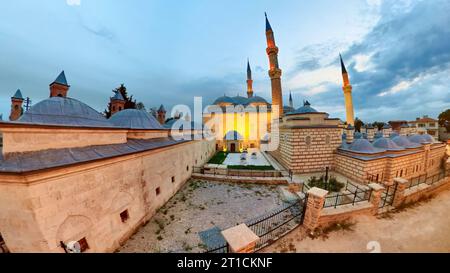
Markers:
point(379, 125)
point(358, 124)
point(129, 102)
point(444, 120)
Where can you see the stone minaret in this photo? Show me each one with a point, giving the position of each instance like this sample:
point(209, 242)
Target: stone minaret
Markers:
point(59, 87)
point(274, 70)
point(291, 101)
point(162, 114)
point(347, 94)
point(249, 81)
point(16, 106)
point(117, 103)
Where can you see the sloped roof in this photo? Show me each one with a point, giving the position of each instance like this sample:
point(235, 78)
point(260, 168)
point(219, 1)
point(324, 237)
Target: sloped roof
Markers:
point(18, 95)
point(61, 79)
point(117, 96)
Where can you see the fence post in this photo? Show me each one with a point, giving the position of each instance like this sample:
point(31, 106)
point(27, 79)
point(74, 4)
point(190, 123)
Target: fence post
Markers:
point(241, 239)
point(314, 207)
point(399, 196)
point(375, 198)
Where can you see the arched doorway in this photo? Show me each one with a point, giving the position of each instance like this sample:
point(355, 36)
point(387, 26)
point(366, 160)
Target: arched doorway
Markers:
point(233, 147)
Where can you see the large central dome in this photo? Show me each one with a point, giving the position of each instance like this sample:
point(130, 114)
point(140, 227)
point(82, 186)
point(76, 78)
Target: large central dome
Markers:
point(64, 111)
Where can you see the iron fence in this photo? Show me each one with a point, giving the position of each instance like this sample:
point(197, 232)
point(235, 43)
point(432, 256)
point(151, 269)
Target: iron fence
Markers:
point(237, 172)
point(219, 249)
point(387, 196)
point(426, 179)
point(340, 199)
point(272, 226)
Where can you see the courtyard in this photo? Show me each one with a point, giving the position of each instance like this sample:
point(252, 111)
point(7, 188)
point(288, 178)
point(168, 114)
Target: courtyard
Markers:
point(199, 206)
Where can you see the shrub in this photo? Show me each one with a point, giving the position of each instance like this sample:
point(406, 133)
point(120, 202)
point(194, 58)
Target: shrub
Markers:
point(333, 185)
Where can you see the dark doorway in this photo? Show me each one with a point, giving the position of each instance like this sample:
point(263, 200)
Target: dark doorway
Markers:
point(232, 147)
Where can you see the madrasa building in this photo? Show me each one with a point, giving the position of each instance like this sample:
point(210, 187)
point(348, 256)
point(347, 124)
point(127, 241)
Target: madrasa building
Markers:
point(69, 174)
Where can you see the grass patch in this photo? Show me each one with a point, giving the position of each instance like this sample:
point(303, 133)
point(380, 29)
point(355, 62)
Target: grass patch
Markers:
point(251, 167)
point(218, 158)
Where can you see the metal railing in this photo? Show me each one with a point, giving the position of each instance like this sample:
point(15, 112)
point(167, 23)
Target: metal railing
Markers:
point(237, 172)
point(426, 179)
point(273, 225)
point(341, 199)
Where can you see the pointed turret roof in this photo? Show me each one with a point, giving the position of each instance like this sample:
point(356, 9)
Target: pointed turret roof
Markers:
point(161, 109)
point(18, 95)
point(249, 71)
point(61, 79)
point(290, 96)
point(118, 96)
point(268, 26)
point(344, 70)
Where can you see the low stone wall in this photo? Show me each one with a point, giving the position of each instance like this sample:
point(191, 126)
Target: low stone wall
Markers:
point(424, 191)
point(344, 213)
point(242, 179)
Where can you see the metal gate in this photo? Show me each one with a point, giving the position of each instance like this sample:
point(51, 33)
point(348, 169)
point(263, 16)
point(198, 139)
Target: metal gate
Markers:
point(274, 225)
point(387, 196)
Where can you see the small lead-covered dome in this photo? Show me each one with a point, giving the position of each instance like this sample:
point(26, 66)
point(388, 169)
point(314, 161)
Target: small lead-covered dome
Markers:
point(404, 142)
point(233, 135)
point(305, 109)
point(64, 111)
point(417, 139)
point(135, 119)
point(386, 144)
point(428, 138)
point(363, 146)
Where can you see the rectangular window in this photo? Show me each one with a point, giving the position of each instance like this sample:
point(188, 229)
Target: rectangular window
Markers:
point(83, 244)
point(401, 173)
point(158, 191)
point(173, 179)
point(187, 168)
point(124, 216)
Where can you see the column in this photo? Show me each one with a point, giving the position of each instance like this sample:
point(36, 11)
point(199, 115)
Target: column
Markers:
point(375, 198)
point(399, 196)
point(314, 207)
point(241, 239)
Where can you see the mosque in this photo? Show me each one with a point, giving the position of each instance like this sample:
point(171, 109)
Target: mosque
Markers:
point(69, 174)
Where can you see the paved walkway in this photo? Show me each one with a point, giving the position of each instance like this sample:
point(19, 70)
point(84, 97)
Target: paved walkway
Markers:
point(425, 228)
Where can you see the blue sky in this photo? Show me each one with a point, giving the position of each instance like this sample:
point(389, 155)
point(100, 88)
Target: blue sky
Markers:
point(397, 52)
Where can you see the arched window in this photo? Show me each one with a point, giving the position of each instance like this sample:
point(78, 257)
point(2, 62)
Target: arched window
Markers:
point(16, 107)
point(308, 140)
point(327, 140)
point(114, 108)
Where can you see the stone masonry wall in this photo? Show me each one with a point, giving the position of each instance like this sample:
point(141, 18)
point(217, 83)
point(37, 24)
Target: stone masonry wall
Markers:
point(308, 149)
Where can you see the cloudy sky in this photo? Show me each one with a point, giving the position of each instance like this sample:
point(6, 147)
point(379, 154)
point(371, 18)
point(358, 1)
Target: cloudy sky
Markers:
point(168, 51)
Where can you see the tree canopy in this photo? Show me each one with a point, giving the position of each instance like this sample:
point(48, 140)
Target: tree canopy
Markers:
point(129, 102)
point(444, 120)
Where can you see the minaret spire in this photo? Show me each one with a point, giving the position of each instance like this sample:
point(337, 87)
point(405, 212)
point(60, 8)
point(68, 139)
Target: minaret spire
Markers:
point(347, 88)
point(291, 101)
point(249, 80)
point(274, 69)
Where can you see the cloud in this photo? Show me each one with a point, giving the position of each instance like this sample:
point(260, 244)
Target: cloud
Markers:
point(395, 68)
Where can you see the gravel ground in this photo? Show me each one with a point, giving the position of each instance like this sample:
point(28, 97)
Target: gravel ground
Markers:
point(423, 228)
point(198, 206)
